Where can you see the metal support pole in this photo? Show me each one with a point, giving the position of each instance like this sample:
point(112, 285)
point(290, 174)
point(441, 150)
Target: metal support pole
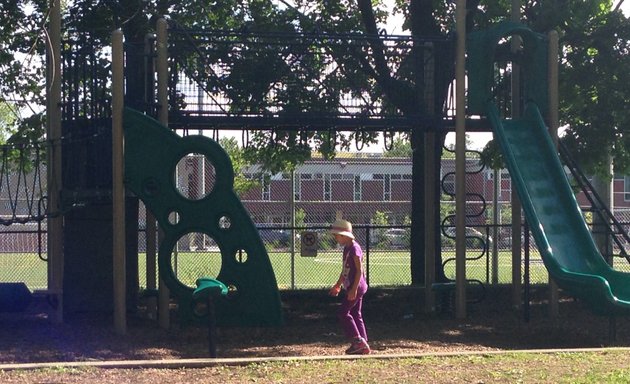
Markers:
point(292, 240)
point(429, 214)
point(162, 91)
point(150, 230)
point(118, 188)
point(516, 203)
point(212, 327)
point(460, 161)
point(53, 112)
point(554, 123)
point(497, 221)
point(430, 182)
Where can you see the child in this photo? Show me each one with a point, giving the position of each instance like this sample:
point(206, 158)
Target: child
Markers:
point(353, 280)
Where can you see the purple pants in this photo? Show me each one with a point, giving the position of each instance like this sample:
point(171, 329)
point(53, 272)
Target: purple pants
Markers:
point(350, 316)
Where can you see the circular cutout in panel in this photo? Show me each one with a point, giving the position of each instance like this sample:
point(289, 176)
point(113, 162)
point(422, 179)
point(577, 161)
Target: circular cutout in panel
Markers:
point(241, 256)
point(225, 222)
point(195, 255)
point(173, 218)
point(195, 176)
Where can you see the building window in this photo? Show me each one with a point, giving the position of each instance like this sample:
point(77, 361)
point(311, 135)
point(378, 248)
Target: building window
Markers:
point(357, 188)
point(327, 188)
point(387, 188)
point(266, 188)
point(626, 188)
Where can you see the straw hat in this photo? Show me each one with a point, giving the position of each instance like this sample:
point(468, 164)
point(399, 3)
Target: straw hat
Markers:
point(342, 227)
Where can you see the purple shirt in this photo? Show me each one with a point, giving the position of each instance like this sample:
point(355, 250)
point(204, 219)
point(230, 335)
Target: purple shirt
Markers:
point(350, 269)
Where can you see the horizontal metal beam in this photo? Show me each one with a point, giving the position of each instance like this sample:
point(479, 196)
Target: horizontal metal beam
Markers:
point(313, 123)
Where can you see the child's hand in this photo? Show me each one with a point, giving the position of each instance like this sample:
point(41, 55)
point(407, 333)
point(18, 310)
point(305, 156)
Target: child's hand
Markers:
point(334, 291)
point(351, 295)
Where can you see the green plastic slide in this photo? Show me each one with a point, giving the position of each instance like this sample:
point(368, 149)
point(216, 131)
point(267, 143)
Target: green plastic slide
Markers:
point(554, 216)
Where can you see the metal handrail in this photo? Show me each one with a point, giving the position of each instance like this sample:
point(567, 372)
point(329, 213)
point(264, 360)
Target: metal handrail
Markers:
point(614, 228)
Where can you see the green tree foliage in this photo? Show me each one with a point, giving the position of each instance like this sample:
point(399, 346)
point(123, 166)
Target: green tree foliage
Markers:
point(253, 73)
point(312, 77)
point(594, 73)
point(594, 87)
point(7, 119)
point(595, 38)
point(378, 234)
point(22, 77)
point(242, 184)
point(400, 147)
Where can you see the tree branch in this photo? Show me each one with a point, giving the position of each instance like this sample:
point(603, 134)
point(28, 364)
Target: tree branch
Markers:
point(400, 93)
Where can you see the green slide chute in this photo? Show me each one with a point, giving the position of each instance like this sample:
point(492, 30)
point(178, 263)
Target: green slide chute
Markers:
point(554, 216)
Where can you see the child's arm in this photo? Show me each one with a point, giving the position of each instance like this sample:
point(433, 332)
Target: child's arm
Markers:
point(334, 291)
point(352, 291)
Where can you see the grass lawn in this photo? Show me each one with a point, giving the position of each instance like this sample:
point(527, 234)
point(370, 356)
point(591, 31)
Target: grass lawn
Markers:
point(385, 268)
point(610, 366)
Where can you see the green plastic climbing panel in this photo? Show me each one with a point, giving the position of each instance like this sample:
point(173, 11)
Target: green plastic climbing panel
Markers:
point(152, 153)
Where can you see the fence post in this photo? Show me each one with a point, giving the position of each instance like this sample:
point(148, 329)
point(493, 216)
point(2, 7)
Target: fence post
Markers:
point(367, 254)
point(292, 240)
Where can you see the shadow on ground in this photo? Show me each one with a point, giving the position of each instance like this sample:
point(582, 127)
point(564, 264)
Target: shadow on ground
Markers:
point(395, 319)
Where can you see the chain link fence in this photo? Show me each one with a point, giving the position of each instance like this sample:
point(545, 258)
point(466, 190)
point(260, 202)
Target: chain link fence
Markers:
point(373, 192)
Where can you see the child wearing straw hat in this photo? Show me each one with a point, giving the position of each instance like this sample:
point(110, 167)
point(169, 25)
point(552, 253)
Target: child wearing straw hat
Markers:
point(353, 281)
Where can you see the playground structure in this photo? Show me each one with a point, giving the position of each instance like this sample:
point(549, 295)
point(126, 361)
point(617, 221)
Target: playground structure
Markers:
point(561, 267)
point(558, 226)
point(245, 264)
point(230, 224)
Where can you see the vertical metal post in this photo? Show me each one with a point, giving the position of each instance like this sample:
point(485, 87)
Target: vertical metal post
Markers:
point(162, 91)
point(430, 182)
point(212, 327)
point(367, 256)
point(516, 203)
point(118, 188)
point(496, 217)
point(429, 215)
point(53, 112)
point(292, 240)
point(460, 161)
point(554, 122)
point(526, 280)
point(150, 229)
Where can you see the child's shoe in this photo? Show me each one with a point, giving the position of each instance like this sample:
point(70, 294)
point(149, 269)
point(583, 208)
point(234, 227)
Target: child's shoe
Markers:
point(358, 347)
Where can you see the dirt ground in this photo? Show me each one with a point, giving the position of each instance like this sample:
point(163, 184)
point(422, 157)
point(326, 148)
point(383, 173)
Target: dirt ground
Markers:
point(394, 318)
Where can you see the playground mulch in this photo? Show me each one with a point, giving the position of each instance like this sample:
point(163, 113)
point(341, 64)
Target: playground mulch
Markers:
point(395, 320)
